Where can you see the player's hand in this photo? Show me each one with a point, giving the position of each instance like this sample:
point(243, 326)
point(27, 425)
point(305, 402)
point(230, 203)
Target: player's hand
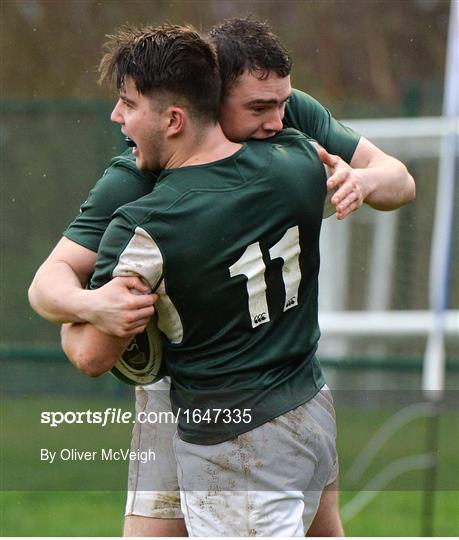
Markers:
point(348, 184)
point(122, 307)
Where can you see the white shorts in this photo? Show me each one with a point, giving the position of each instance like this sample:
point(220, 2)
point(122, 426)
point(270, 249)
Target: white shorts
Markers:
point(266, 482)
point(153, 489)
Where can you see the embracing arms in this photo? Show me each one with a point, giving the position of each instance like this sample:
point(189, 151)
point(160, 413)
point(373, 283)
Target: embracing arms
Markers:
point(373, 177)
point(91, 351)
point(57, 293)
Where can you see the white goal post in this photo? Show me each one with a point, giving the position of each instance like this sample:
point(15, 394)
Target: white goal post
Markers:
point(386, 323)
point(346, 274)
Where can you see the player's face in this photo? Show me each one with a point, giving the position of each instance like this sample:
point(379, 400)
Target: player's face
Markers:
point(254, 108)
point(141, 122)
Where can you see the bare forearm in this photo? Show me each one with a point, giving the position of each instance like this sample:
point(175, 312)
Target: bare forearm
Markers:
point(91, 351)
point(389, 185)
point(385, 181)
point(57, 294)
point(57, 291)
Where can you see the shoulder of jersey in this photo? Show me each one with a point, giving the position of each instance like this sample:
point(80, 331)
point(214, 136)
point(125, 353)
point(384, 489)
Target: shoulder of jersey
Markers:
point(126, 160)
point(298, 98)
point(293, 136)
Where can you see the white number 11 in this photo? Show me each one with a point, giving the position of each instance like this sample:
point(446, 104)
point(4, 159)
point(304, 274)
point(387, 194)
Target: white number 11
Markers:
point(251, 265)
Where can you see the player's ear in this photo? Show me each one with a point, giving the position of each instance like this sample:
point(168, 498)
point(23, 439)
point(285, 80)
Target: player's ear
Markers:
point(176, 118)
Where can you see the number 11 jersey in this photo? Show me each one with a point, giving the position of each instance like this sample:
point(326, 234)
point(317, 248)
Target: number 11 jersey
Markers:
point(232, 248)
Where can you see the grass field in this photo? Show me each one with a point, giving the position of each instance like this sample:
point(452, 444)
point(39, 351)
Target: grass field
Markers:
point(65, 508)
point(391, 513)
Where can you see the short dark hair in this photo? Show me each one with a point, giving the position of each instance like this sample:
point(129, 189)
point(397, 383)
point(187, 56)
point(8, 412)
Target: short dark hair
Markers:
point(169, 59)
point(244, 44)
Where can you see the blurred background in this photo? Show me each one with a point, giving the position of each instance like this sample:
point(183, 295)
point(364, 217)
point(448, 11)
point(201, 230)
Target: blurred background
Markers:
point(368, 61)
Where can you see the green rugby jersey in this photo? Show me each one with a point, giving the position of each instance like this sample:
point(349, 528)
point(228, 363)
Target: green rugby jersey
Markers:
point(122, 182)
point(307, 115)
point(232, 247)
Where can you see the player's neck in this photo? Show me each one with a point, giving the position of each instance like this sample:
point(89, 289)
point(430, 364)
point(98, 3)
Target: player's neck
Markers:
point(211, 146)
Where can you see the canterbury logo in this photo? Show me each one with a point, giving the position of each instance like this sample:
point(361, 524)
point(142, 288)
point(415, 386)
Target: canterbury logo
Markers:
point(291, 302)
point(260, 318)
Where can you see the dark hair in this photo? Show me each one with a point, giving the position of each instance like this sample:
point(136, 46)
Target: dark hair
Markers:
point(246, 44)
point(167, 60)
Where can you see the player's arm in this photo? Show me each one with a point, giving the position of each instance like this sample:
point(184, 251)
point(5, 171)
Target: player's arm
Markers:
point(361, 172)
point(373, 178)
point(57, 293)
point(388, 184)
point(90, 350)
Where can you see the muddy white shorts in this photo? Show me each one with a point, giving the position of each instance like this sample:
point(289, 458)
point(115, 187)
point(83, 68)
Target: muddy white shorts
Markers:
point(153, 489)
point(266, 482)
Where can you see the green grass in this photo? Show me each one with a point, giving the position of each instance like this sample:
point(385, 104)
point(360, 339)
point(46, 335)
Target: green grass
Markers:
point(100, 514)
point(356, 427)
point(23, 437)
point(399, 513)
point(62, 513)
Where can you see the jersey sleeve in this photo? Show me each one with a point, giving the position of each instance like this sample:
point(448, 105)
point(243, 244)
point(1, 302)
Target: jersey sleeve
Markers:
point(120, 184)
point(307, 115)
point(127, 249)
point(291, 134)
